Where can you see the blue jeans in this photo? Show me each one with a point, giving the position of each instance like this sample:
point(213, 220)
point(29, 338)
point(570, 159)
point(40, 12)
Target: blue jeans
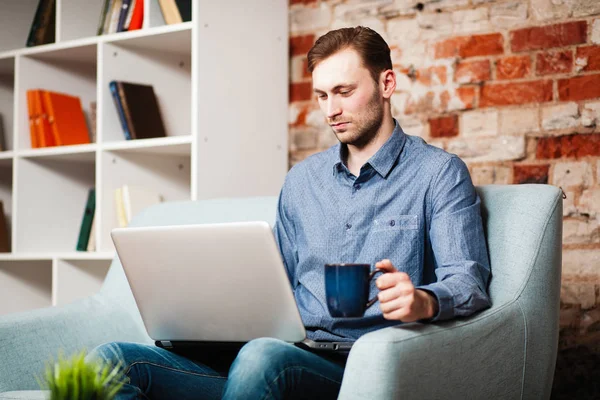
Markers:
point(263, 369)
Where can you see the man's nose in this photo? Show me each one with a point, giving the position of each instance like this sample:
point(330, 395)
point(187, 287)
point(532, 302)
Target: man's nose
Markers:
point(333, 108)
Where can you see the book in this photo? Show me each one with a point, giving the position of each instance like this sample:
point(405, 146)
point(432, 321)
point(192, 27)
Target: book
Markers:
point(92, 241)
point(137, 16)
point(119, 106)
point(113, 17)
point(170, 11)
point(86, 221)
point(129, 15)
point(107, 17)
point(42, 122)
point(137, 198)
point(185, 9)
point(105, 7)
point(139, 110)
point(4, 233)
point(2, 136)
point(66, 119)
point(123, 15)
point(131, 199)
point(33, 134)
point(43, 26)
point(93, 121)
point(120, 208)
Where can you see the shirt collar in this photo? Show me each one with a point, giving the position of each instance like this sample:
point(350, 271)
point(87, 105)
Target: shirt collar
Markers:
point(383, 160)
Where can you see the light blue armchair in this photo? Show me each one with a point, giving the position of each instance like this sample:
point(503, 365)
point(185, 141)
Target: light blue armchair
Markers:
point(505, 352)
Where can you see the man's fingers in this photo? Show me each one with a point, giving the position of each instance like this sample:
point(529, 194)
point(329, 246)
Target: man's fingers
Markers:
point(401, 289)
point(385, 265)
point(393, 305)
point(392, 279)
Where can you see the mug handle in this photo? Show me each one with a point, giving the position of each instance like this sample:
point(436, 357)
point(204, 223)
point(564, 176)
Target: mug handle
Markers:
point(371, 276)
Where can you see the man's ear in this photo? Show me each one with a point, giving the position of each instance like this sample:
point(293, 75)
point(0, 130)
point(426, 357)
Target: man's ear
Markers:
point(387, 83)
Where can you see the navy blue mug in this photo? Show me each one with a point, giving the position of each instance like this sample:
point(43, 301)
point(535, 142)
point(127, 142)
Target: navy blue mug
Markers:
point(347, 289)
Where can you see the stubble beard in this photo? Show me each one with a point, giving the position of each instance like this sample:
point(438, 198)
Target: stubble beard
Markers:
point(367, 127)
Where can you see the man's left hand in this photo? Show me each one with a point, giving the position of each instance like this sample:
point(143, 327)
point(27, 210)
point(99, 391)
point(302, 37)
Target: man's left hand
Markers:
point(398, 298)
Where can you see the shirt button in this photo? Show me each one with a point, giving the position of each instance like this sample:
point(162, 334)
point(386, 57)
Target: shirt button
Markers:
point(358, 187)
point(348, 226)
point(392, 223)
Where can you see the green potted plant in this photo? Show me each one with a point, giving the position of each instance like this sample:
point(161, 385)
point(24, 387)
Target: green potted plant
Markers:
point(75, 378)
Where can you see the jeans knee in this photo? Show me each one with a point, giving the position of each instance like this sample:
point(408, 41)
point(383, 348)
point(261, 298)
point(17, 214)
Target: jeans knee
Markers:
point(264, 349)
point(260, 355)
point(108, 353)
point(121, 353)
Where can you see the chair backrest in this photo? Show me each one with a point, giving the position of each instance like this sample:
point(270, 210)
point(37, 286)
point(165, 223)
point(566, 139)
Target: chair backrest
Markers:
point(523, 227)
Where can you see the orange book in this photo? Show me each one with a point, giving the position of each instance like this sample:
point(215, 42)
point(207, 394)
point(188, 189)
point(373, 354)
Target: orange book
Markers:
point(32, 119)
point(66, 119)
point(137, 17)
point(44, 131)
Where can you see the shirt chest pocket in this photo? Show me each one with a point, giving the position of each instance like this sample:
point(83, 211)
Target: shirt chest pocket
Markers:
point(397, 237)
point(394, 223)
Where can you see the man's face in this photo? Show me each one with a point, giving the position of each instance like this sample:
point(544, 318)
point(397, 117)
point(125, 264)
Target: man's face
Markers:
point(348, 97)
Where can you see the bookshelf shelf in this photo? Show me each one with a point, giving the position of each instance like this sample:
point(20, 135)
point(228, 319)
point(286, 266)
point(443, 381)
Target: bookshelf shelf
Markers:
point(174, 145)
point(68, 256)
point(6, 156)
point(73, 152)
point(221, 83)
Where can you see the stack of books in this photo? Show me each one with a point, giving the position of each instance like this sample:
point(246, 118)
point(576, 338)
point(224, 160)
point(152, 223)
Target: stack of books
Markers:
point(55, 119)
point(120, 16)
point(128, 15)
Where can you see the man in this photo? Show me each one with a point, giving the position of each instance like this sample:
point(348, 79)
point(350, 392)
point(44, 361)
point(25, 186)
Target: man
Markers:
point(380, 197)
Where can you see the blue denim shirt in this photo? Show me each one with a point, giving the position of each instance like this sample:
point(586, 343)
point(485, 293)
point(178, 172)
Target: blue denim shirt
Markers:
point(412, 203)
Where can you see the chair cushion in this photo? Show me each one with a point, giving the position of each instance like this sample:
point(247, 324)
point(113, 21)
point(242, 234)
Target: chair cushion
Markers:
point(26, 395)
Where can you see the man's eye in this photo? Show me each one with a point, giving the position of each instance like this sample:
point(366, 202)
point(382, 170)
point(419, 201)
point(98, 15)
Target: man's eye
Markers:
point(322, 96)
point(345, 92)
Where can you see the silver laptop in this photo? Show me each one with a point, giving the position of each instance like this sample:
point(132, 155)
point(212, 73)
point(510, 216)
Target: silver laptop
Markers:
point(211, 283)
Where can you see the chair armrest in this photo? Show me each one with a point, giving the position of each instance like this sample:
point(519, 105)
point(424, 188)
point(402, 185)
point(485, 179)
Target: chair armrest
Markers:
point(29, 339)
point(478, 357)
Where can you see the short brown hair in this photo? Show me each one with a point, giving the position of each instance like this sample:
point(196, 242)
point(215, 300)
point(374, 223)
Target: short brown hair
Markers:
point(373, 50)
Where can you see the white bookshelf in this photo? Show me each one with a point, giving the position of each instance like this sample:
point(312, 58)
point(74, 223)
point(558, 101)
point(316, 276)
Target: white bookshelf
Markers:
point(221, 82)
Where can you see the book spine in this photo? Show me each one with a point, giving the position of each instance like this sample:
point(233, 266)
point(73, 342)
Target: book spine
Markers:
point(120, 208)
point(114, 16)
point(42, 8)
point(33, 133)
point(123, 15)
point(137, 19)
point(115, 95)
point(126, 112)
point(100, 29)
point(129, 15)
point(107, 17)
point(86, 221)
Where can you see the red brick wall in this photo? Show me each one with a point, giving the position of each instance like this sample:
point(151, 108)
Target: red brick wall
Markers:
point(512, 87)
